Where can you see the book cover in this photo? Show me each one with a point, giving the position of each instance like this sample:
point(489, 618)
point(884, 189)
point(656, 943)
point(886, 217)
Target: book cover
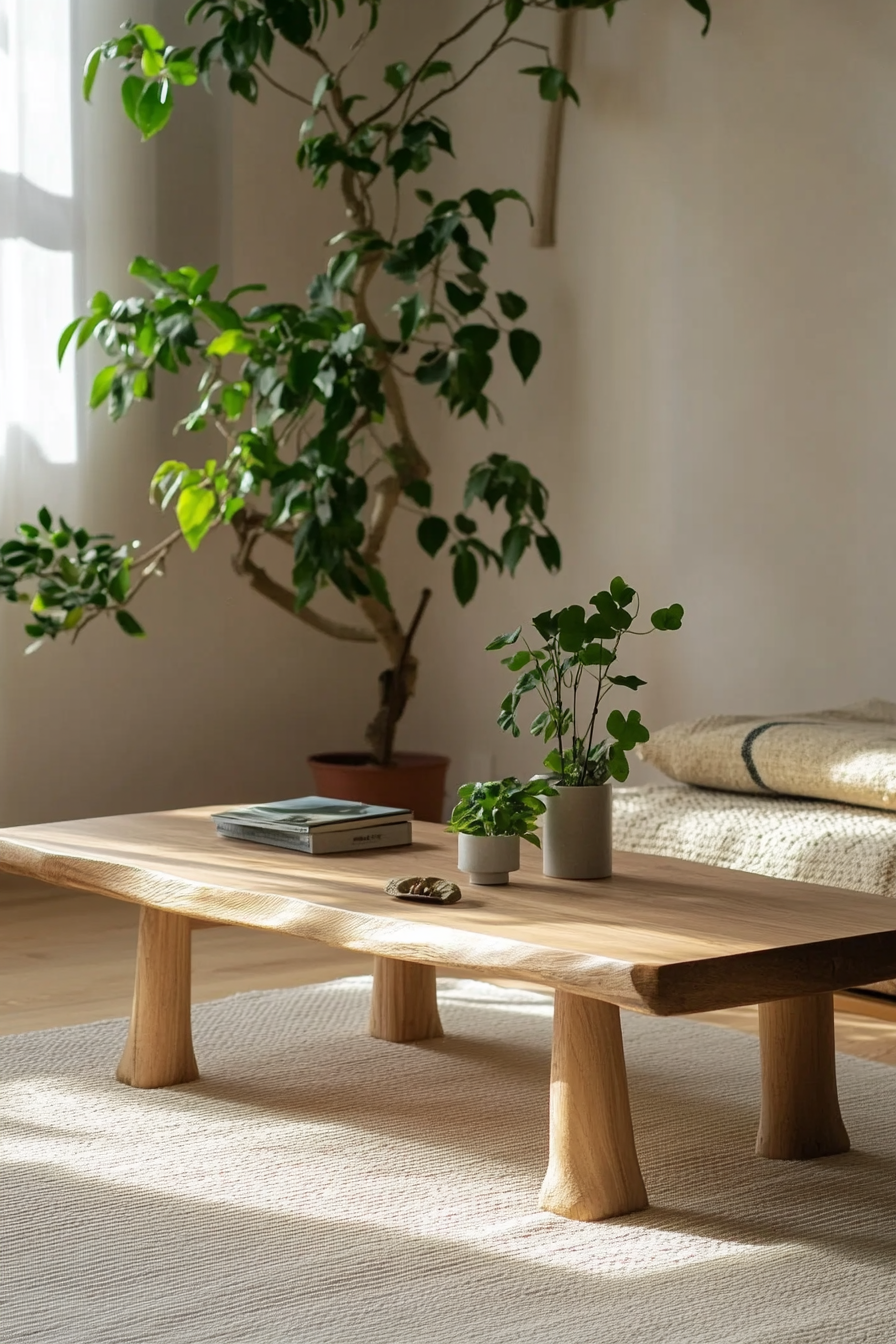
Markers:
point(374, 836)
point(304, 815)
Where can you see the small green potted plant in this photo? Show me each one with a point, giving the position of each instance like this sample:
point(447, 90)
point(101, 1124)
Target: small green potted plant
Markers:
point(489, 820)
point(572, 669)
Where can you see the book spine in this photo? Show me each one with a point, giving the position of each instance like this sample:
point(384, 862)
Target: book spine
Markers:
point(374, 837)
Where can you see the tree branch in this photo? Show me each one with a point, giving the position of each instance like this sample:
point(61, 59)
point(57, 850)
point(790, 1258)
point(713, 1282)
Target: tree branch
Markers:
point(275, 83)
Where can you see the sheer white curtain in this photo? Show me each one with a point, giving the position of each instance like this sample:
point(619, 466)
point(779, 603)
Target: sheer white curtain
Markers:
point(39, 230)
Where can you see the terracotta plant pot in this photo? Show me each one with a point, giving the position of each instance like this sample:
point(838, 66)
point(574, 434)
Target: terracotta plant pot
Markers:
point(577, 840)
point(415, 780)
point(489, 859)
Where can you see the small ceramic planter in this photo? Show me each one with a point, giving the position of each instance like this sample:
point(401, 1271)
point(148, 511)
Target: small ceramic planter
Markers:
point(489, 859)
point(577, 840)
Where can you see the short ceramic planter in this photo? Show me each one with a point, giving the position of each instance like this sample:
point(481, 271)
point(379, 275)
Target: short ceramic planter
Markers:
point(488, 859)
point(577, 840)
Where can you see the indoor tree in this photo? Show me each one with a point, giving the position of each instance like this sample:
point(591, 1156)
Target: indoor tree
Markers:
point(314, 447)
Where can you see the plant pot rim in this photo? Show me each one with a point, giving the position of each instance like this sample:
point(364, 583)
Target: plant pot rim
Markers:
point(470, 836)
point(362, 760)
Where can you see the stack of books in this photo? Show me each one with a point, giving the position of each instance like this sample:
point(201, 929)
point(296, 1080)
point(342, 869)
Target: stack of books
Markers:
point(317, 825)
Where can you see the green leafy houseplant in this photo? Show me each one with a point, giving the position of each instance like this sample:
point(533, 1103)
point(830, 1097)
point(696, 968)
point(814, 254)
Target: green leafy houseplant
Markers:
point(500, 807)
point(314, 447)
point(571, 672)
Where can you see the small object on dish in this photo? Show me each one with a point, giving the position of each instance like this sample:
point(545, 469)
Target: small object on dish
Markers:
point(427, 890)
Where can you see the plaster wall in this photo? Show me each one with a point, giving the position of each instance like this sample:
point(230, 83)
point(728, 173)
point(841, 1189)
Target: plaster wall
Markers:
point(713, 412)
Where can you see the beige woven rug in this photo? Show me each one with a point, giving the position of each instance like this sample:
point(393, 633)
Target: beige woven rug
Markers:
point(319, 1186)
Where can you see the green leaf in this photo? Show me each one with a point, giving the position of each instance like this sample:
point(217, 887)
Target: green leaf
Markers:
point(411, 309)
point(518, 660)
point(482, 207)
point(432, 369)
point(397, 75)
point(632, 683)
point(621, 592)
point(152, 63)
point(596, 655)
point(549, 550)
point(617, 765)
point(131, 92)
point(194, 513)
point(220, 315)
point(200, 284)
point(502, 641)
point(90, 69)
point(514, 544)
point(432, 533)
point(149, 36)
point(292, 19)
point(511, 194)
point(571, 628)
point(182, 72)
point(465, 574)
point(65, 339)
point(129, 625)
point(461, 300)
point(512, 305)
point(154, 108)
point(378, 586)
point(464, 524)
point(546, 623)
point(702, 7)
point(525, 351)
point(436, 68)
point(144, 269)
point(120, 585)
point(233, 399)
point(102, 385)
point(628, 731)
point(668, 618)
point(230, 342)
point(476, 337)
point(513, 9)
point(420, 492)
point(321, 89)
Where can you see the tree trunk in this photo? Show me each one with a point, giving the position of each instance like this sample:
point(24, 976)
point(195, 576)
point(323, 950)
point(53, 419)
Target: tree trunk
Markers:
point(396, 688)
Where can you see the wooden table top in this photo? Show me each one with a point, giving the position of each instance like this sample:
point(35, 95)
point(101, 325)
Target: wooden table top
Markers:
point(661, 936)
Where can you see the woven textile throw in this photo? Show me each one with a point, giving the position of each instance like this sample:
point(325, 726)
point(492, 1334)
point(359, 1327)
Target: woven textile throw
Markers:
point(842, 755)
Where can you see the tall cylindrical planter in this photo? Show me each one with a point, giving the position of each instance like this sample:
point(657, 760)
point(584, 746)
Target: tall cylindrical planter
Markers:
point(577, 840)
point(488, 859)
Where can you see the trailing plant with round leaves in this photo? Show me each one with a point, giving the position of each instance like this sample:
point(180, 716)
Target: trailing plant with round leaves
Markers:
point(316, 451)
point(570, 670)
point(501, 807)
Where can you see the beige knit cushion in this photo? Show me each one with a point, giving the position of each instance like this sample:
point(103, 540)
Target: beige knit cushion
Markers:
point(843, 755)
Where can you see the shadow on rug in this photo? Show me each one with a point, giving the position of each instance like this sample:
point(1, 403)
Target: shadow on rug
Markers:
point(320, 1187)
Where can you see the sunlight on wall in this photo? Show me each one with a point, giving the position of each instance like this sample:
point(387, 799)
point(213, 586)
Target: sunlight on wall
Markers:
point(37, 228)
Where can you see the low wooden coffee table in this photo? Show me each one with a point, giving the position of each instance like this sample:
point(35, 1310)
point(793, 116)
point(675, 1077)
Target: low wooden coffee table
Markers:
point(661, 937)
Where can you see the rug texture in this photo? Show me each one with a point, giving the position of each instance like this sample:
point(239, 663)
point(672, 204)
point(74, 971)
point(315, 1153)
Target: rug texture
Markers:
point(320, 1187)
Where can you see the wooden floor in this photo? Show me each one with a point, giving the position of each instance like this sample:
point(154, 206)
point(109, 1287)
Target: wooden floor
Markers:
point(68, 957)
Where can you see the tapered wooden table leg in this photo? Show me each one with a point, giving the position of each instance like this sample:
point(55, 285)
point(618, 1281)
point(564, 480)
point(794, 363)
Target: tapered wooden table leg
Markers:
point(159, 1049)
point(404, 1006)
point(800, 1115)
point(593, 1170)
